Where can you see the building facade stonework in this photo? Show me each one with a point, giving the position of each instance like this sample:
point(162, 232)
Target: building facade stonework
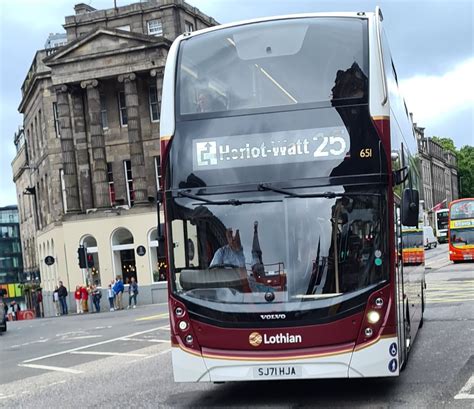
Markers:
point(88, 156)
point(439, 173)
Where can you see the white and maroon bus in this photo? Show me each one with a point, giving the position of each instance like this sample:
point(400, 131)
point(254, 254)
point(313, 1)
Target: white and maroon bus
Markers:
point(288, 170)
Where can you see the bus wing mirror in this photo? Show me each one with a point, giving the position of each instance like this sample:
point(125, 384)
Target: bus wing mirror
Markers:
point(410, 207)
point(400, 175)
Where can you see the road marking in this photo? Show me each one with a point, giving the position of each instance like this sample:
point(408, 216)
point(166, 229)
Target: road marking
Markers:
point(106, 353)
point(153, 317)
point(146, 340)
point(464, 393)
point(51, 368)
point(85, 337)
point(68, 351)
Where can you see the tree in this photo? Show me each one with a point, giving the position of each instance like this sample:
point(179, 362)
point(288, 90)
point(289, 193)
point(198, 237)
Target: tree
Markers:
point(465, 171)
point(465, 165)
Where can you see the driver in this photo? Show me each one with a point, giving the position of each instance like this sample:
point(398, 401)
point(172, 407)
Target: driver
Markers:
point(230, 254)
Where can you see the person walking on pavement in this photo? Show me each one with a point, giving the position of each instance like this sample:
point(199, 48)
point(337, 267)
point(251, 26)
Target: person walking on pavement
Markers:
point(78, 298)
point(57, 307)
point(96, 296)
point(84, 298)
point(111, 296)
point(62, 294)
point(118, 290)
point(132, 293)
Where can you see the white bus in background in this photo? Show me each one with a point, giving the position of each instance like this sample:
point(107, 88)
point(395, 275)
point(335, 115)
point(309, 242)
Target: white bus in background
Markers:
point(441, 225)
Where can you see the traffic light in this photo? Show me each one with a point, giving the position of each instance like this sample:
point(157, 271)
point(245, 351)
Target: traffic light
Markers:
point(90, 261)
point(82, 256)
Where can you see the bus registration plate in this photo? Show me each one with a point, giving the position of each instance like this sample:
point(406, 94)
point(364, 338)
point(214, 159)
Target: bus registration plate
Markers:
point(279, 371)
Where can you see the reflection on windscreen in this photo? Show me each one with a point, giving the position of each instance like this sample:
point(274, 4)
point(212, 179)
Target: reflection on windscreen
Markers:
point(283, 250)
point(412, 239)
point(278, 63)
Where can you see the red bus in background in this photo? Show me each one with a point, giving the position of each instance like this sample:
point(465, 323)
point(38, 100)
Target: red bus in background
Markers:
point(288, 171)
point(461, 230)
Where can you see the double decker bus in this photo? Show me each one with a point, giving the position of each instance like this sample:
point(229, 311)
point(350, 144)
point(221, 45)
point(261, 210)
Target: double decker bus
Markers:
point(287, 175)
point(441, 225)
point(461, 230)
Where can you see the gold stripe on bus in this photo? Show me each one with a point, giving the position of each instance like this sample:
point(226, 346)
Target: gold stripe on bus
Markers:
point(165, 138)
point(381, 118)
point(373, 342)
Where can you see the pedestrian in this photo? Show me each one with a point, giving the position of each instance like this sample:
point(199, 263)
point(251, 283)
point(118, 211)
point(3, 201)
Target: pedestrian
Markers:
point(39, 303)
point(132, 293)
point(118, 290)
point(15, 309)
point(111, 295)
point(57, 307)
point(78, 298)
point(84, 298)
point(62, 294)
point(96, 296)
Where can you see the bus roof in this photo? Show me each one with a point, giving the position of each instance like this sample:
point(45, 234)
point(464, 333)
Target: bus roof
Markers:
point(359, 15)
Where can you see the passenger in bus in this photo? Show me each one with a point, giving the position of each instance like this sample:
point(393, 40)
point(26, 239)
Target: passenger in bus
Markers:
point(209, 102)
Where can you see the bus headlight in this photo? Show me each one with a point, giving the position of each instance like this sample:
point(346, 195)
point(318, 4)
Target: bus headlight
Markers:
point(179, 312)
point(189, 339)
point(183, 325)
point(373, 317)
point(368, 332)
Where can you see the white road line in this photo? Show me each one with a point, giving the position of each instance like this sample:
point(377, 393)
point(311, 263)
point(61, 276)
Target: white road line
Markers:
point(51, 368)
point(146, 340)
point(67, 351)
point(106, 353)
point(85, 337)
point(464, 393)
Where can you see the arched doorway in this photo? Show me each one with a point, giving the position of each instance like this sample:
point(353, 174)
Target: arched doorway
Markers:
point(124, 254)
point(157, 264)
point(92, 273)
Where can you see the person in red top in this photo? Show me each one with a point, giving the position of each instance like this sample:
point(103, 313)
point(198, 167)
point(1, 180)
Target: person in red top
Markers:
point(77, 297)
point(85, 298)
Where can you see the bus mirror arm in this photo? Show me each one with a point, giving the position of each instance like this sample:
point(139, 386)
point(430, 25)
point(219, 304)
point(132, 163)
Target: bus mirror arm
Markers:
point(400, 176)
point(161, 236)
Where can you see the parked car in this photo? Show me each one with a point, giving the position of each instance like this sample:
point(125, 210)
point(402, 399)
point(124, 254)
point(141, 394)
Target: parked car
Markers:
point(3, 316)
point(429, 238)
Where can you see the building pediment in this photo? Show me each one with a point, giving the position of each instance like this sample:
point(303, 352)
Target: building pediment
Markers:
point(103, 42)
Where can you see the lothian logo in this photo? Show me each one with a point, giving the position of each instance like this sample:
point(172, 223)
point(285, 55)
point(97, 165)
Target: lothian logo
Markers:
point(255, 339)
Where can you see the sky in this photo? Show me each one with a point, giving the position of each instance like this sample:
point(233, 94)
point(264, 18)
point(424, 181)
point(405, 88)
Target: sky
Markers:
point(431, 43)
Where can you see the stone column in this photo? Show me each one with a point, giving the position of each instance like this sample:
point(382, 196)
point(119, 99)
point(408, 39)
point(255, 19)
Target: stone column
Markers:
point(67, 148)
point(100, 186)
point(158, 74)
point(135, 138)
point(82, 153)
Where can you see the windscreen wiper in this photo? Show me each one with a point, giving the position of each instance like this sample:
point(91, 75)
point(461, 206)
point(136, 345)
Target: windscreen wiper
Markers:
point(328, 194)
point(229, 202)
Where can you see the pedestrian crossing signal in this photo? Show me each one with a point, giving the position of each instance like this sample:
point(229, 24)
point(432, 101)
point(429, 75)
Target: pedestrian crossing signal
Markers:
point(90, 261)
point(82, 256)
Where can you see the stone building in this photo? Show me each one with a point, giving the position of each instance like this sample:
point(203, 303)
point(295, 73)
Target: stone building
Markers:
point(88, 157)
point(439, 173)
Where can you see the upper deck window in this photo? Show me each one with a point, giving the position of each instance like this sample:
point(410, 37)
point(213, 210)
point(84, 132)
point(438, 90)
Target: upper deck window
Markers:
point(283, 63)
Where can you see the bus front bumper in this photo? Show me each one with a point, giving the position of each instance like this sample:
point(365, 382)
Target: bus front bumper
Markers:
point(377, 359)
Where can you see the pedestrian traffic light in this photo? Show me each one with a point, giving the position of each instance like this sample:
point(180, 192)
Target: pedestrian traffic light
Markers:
point(90, 261)
point(82, 256)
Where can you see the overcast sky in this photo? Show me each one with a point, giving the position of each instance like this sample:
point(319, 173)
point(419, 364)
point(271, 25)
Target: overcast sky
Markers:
point(431, 43)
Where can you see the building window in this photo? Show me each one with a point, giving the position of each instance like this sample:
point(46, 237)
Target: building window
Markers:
point(155, 28)
point(127, 165)
point(122, 109)
point(153, 101)
point(124, 28)
point(57, 128)
point(110, 179)
point(63, 190)
point(188, 27)
point(158, 172)
point(103, 112)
